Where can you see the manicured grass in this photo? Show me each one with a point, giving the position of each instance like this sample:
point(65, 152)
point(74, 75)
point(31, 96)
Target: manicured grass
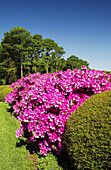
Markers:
point(11, 156)
point(4, 90)
point(4, 86)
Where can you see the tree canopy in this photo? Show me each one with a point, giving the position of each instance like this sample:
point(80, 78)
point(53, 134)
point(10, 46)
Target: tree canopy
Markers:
point(21, 54)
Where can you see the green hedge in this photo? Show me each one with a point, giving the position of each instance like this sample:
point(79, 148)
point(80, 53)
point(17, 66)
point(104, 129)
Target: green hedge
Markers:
point(4, 90)
point(87, 136)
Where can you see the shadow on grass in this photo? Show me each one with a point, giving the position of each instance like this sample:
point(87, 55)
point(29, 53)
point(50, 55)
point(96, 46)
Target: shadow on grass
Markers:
point(11, 111)
point(62, 159)
point(20, 143)
point(31, 156)
point(32, 147)
point(64, 162)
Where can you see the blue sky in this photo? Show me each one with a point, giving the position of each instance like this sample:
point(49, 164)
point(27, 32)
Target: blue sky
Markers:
point(81, 27)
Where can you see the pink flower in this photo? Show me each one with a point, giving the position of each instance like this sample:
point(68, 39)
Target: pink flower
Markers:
point(19, 133)
point(43, 103)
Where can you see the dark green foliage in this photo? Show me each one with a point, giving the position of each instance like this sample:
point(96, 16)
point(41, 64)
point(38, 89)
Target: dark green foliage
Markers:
point(4, 90)
point(22, 54)
point(74, 62)
point(87, 137)
point(14, 50)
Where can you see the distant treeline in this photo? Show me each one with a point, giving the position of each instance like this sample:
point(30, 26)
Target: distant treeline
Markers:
point(21, 54)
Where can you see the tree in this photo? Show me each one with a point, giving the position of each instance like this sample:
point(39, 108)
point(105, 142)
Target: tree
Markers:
point(36, 53)
point(61, 64)
point(16, 43)
point(51, 53)
point(74, 62)
point(21, 54)
point(48, 46)
point(56, 56)
point(7, 67)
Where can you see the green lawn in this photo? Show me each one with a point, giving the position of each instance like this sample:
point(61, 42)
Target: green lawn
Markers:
point(11, 157)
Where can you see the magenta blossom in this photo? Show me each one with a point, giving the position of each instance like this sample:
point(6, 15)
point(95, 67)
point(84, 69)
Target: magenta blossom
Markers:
point(43, 103)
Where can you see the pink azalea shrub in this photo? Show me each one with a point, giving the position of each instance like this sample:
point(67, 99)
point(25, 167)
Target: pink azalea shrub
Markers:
point(43, 103)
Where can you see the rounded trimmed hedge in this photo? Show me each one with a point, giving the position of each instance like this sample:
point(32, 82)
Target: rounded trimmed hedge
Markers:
point(4, 90)
point(87, 136)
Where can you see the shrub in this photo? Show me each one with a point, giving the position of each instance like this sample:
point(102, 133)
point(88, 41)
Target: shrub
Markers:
point(87, 136)
point(43, 103)
point(4, 90)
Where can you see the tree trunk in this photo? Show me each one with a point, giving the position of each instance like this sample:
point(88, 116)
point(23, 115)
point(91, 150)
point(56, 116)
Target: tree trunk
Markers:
point(21, 68)
point(55, 66)
point(47, 66)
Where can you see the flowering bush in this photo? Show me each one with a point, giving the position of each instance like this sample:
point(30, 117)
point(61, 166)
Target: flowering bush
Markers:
point(43, 103)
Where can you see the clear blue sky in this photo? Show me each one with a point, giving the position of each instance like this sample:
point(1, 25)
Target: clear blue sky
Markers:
point(81, 27)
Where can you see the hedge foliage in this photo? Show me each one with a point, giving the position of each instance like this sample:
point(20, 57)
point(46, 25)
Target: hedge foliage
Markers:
point(87, 136)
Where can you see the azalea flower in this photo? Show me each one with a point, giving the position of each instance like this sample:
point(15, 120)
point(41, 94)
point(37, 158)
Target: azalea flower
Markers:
point(43, 103)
